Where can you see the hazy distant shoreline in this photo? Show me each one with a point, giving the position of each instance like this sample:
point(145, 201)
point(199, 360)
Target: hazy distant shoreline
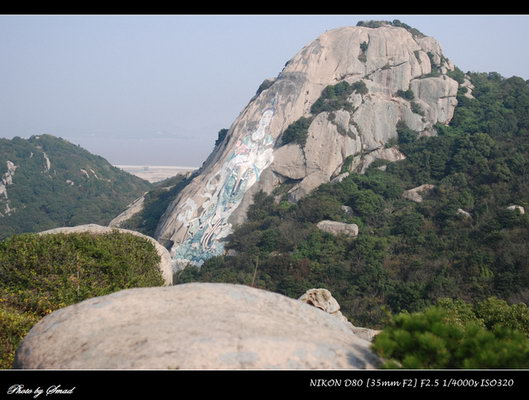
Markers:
point(155, 173)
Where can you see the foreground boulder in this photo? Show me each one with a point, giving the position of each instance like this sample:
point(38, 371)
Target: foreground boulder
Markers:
point(193, 326)
point(165, 265)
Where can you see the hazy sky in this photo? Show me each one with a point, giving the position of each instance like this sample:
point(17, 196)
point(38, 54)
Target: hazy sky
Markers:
point(156, 89)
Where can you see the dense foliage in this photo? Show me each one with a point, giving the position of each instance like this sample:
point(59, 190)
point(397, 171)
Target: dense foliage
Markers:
point(455, 334)
point(74, 188)
point(460, 242)
point(39, 274)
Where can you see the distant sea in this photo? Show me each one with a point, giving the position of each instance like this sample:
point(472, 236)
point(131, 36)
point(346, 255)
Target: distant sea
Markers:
point(155, 173)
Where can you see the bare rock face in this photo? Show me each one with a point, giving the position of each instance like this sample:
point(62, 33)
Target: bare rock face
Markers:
point(132, 209)
point(384, 62)
point(519, 209)
point(416, 193)
point(165, 258)
point(338, 228)
point(5, 180)
point(193, 326)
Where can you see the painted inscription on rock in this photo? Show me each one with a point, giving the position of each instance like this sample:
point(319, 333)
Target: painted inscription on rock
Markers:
point(224, 191)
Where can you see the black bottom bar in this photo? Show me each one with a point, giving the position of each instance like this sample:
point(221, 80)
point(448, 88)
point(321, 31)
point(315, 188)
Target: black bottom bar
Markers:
point(68, 384)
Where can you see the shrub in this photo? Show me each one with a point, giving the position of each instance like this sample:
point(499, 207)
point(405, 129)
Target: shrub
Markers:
point(334, 97)
point(359, 87)
point(416, 108)
point(42, 273)
point(297, 132)
point(13, 327)
point(363, 46)
point(457, 75)
point(427, 340)
point(221, 136)
point(377, 24)
point(406, 94)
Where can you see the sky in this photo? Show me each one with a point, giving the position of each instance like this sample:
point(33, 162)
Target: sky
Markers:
point(156, 89)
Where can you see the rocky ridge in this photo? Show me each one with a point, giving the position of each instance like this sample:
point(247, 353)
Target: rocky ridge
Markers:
point(396, 76)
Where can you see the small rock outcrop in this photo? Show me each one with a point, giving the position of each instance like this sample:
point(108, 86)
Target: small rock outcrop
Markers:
point(338, 228)
point(193, 326)
point(323, 299)
point(416, 194)
point(463, 213)
point(520, 209)
point(165, 258)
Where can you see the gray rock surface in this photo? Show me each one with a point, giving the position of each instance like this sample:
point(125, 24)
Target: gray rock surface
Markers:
point(193, 326)
point(132, 209)
point(463, 213)
point(323, 299)
point(338, 228)
point(165, 265)
point(251, 158)
point(520, 209)
point(416, 194)
point(5, 180)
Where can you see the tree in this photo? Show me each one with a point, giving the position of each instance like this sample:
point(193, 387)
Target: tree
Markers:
point(405, 134)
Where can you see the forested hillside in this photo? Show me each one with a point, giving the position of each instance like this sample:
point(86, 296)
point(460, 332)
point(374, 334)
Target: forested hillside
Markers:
point(47, 182)
point(462, 241)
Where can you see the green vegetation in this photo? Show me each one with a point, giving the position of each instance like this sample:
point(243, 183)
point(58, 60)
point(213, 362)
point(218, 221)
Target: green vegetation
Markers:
point(407, 255)
point(155, 203)
point(332, 98)
point(416, 108)
point(221, 136)
point(364, 46)
point(436, 68)
point(457, 75)
point(455, 334)
point(42, 273)
point(406, 94)
point(363, 49)
point(395, 22)
point(405, 135)
point(77, 188)
point(297, 132)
